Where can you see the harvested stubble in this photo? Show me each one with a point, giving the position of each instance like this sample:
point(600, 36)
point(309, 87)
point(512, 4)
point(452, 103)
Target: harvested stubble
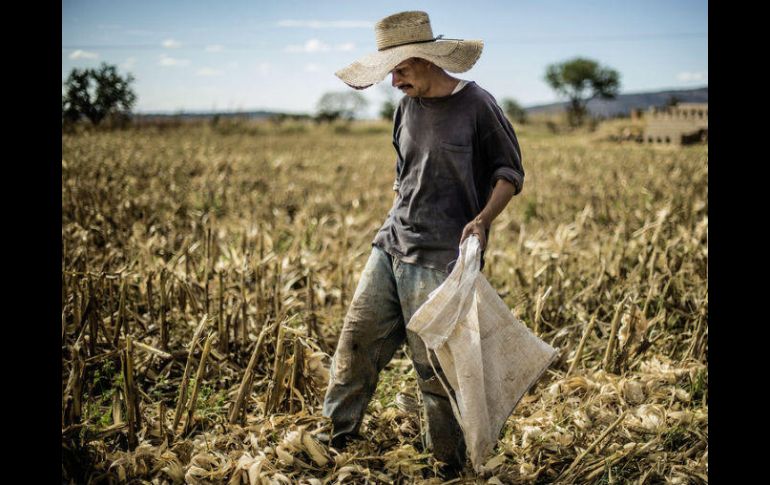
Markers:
point(258, 239)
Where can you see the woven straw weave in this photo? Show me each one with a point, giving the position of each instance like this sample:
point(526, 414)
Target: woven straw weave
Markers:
point(405, 35)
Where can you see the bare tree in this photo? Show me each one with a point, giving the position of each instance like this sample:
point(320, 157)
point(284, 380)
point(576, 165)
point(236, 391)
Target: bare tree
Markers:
point(342, 104)
point(388, 107)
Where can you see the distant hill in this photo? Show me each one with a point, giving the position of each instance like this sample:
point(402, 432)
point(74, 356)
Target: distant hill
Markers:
point(624, 103)
point(605, 108)
point(251, 115)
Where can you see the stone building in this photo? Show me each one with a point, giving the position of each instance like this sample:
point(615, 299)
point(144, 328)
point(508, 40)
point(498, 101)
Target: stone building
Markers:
point(681, 124)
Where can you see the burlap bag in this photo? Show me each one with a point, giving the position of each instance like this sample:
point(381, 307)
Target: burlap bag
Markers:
point(489, 358)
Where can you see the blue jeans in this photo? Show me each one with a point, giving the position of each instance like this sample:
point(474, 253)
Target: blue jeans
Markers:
point(388, 293)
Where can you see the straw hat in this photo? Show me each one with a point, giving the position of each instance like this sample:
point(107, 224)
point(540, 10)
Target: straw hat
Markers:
point(404, 35)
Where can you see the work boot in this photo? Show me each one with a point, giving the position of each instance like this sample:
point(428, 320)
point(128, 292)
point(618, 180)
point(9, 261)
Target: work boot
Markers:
point(450, 471)
point(337, 442)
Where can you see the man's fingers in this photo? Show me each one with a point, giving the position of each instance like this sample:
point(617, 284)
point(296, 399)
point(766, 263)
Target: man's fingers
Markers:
point(482, 240)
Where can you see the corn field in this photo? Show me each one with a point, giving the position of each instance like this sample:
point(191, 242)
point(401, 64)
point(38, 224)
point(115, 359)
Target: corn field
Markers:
point(207, 269)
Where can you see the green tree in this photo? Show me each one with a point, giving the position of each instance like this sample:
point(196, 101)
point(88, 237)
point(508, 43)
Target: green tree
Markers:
point(343, 104)
point(580, 80)
point(388, 107)
point(514, 110)
point(672, 100)
point(387, 110)
point(97, 94)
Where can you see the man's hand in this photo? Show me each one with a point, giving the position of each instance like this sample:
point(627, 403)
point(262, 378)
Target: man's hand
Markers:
point(477, 227)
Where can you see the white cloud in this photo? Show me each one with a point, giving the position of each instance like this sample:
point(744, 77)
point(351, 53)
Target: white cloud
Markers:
point(327, 24)
point(129, 63)
point(213, 48)
point(141, 33)
point(312, 45)
point(264, 68)
point(315, 45)
point(692, 77)
point(171, 44)
point(207, 72)
point(312, 67)
point(172, 62)
point(79, 54)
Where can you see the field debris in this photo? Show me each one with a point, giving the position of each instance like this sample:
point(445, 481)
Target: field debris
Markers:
point(205, 276)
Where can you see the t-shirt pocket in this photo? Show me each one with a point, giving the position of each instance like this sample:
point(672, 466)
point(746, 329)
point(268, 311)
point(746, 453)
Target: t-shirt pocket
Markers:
point(456, 161)
point(456, 148)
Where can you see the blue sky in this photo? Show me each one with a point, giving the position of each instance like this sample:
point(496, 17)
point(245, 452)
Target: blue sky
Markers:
point(281, 55)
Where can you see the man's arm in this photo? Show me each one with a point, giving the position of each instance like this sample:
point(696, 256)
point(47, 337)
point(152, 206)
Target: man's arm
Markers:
point(501, 195)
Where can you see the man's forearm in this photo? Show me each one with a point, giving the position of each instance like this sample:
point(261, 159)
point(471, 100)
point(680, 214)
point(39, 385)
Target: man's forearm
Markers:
point(501, 195)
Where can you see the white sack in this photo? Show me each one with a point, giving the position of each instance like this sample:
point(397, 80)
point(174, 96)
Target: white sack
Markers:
point(490, 359)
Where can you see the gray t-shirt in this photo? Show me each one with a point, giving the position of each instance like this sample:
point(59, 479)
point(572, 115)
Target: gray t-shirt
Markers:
point(450, 151)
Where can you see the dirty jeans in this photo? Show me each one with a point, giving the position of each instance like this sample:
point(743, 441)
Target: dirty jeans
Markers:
point(388, 293)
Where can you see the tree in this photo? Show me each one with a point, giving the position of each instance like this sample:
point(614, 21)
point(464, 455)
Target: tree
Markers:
point(574, 77)
point(97, 94)
point(344, 104)
point(387, 110)
point(388, 107)
point(514, 110)
point(672, 101)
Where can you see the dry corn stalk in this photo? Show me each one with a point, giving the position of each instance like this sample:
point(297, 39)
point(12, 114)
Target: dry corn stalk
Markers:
point(121, 324)
point(164, 336)
point(248, 376)
point(150, 316)
point(181, 399)
point(542, 295)
point(72, 393)
point(196, 385)
point(278, 388)
point(579, 351)
point(221, 323)
point(130, 393)
point(298, 361)
point(613, 332)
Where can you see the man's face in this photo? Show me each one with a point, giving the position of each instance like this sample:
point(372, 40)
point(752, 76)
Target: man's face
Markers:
point(411, 77)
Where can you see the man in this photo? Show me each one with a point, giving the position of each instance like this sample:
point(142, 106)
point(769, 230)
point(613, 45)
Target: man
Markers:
point(458, 164)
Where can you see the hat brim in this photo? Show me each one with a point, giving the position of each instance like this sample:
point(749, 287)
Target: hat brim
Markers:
point(451, 55)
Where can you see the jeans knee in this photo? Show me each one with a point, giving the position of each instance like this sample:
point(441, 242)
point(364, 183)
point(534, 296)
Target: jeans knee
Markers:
point(344, 359)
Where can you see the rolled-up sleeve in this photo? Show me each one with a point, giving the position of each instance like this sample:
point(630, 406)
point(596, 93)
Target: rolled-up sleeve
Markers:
point(500, 149)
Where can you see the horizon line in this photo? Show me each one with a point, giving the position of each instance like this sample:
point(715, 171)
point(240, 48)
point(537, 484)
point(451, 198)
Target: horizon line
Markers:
point(184, 111)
